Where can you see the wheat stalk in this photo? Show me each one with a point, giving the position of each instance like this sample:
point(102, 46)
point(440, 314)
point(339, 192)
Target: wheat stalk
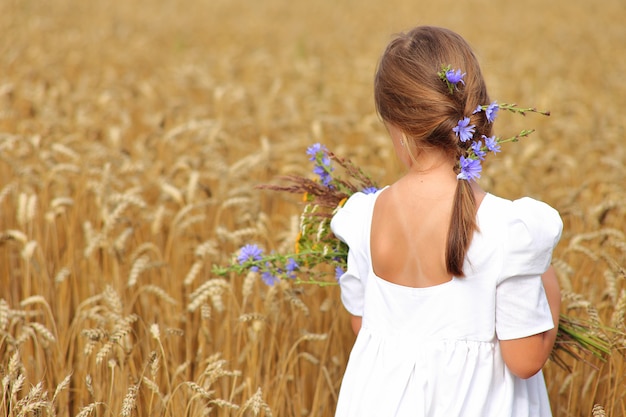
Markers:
point(160, 293)
point(128, 405)
point(192, 185)
point(65, 150)
point(43, 332)
point(598, 411)
point(22, 201)
point(173, 192)
point(6, 190)
point(157, 221)
point(119, 245)
point(4, 315)
point(88, 409)
point(64, 168)
point(61, 386)
point(617, 318)
point(256, 404)
point(36, 399)
point(140, 265)
point(62, 275)
point(211, 289)
point(193, 273)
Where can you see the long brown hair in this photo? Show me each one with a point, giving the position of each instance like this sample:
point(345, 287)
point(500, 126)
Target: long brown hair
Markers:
point(410, 95)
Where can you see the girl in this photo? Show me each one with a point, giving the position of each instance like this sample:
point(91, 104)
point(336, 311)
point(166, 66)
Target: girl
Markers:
point(452, 297)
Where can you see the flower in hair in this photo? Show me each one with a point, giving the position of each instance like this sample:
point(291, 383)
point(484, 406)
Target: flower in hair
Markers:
point(492, 144)
point(470, 169)
point(451, 77)
point(455, 77)
point(492, 111)
point(477, 148)
point(464, 131)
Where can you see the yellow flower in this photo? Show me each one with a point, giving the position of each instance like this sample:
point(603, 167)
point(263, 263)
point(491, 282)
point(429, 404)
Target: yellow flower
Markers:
point(297, 245)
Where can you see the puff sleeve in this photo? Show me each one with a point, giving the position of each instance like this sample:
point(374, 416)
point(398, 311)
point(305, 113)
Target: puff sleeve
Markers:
point(532, 231)
point(350, 225)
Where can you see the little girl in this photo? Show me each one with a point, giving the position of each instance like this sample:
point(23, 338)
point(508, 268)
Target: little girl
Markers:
point(450, 288)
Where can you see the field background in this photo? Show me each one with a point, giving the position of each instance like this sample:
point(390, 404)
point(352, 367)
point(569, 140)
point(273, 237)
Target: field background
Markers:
point(133, 132)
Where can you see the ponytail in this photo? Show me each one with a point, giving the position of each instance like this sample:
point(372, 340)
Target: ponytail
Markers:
point(462, 227)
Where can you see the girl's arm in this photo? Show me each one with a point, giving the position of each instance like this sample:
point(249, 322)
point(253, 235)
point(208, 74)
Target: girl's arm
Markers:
point(356, 323)
point(526, 356)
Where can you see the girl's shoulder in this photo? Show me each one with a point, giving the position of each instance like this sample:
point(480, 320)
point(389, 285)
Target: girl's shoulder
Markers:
point(528, 231)
point(534, 215)
point(354, 216)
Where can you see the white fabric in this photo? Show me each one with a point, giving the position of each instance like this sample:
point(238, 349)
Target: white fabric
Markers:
point(428, 352)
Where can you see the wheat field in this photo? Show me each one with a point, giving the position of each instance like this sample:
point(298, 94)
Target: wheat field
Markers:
point(133, 133)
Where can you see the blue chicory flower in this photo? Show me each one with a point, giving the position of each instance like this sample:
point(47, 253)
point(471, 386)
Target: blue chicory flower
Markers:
point(338, 272)
point(492, 111)
point(479, 108)
point(249, 253)
point(369, 190)
point(478, 151)
point(455, 77)
point(324, 175)
point(319, 154)
point(492, 144)
point(470, 169)
point(268, 278)
point(464, 130)
point(314, 149)
point(290, 267)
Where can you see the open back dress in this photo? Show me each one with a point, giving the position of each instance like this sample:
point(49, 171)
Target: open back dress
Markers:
point(434, 351)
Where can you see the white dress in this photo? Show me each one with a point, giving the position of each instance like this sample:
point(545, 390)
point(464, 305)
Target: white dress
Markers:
point(434, 351)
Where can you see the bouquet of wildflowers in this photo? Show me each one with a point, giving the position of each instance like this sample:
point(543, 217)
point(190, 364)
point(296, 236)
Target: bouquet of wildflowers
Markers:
point(316, 251)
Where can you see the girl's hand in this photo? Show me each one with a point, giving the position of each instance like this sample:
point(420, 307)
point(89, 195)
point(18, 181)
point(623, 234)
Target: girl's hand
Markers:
point(356, 324)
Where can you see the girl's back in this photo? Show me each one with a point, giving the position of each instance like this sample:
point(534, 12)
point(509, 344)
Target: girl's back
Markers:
point(410, 228)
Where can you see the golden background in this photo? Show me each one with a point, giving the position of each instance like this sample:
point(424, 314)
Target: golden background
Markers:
point(132, 134)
